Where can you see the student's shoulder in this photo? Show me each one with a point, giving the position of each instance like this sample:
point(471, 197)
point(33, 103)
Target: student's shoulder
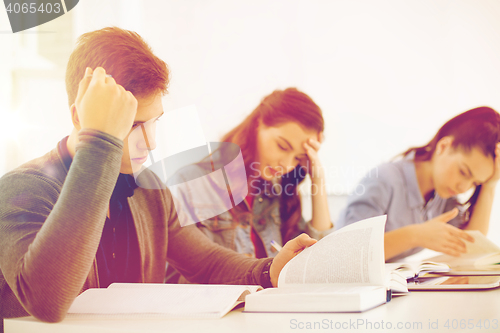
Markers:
point(389, 173)
point(32, 186)
point(46, 170)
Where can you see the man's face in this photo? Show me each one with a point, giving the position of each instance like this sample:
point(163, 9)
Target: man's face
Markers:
point(141, 138)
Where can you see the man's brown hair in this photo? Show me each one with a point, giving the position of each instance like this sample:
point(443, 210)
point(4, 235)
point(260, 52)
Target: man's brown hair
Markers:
point(124, 55)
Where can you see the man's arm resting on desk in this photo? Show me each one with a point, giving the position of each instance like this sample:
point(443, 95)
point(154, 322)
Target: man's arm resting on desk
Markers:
point(48, 239)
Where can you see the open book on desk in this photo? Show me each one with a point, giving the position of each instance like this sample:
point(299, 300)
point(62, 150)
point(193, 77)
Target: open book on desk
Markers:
point(343, 272)
point(475, 270)
point(481, 252)
point(164, 300)
point(412, 271)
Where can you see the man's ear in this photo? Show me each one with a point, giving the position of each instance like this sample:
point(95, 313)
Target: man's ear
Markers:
point(444, 144)
point(74, 117)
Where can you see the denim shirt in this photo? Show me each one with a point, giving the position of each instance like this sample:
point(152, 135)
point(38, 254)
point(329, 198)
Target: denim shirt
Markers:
point(392, 189)
point(232, 230)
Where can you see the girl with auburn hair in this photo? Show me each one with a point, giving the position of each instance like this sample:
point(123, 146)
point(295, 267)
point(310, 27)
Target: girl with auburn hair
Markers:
point(419, 192)
point(279, 142)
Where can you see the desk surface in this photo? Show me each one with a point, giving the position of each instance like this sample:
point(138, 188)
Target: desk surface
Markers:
point(465, 311)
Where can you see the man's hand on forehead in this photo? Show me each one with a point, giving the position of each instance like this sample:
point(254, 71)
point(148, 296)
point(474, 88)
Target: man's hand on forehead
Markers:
point(104, 105)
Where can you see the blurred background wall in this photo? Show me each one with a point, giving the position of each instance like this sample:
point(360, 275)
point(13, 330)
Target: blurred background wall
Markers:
point(387, 74)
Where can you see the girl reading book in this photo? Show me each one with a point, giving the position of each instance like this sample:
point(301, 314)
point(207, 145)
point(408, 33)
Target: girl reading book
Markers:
point(419, 191)
point(279, 142)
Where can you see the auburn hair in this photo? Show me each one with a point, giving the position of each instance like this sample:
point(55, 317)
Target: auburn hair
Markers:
point(475, 128)
point(124, 55)
point(280, 107)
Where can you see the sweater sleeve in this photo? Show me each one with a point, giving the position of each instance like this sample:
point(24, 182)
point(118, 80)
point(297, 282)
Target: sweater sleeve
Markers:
point(200, 260)
point(312, 231)
point(49, 233)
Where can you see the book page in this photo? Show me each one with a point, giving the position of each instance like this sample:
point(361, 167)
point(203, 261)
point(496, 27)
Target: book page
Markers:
point(248, 289)
point(396, 281)
point(319, 289)
point(468, 259)
point(415, 269)
point(480, 252)
point(353, 254)
point(481, 244)
point(169, 300)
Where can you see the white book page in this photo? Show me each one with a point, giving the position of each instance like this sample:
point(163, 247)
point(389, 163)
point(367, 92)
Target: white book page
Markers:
point(481, 248)
point(353, 254)
point(467, 259)
point(170, 300)
point(481, 244)
point(246, 289)
point(318, 289)
point(414, 269)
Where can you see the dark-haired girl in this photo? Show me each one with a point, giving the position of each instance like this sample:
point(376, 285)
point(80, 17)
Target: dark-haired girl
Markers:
point(419, 192)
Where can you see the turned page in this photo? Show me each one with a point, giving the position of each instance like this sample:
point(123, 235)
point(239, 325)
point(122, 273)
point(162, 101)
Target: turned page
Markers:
point(481, 252)
point(351, 255)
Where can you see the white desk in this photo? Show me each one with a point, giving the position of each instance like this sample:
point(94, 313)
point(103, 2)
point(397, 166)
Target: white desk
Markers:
point(416, 311)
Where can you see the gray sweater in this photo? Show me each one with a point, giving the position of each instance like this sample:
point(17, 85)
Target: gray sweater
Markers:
point(51, 220)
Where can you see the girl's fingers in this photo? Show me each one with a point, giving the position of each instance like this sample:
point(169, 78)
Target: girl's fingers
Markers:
point(310, 151)
point(457, 244)
point(304, 162)
point(451, 250)
point(460, 234)
point(314, 144)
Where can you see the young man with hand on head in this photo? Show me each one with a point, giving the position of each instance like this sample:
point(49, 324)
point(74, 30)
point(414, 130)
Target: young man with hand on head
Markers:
point(75, 219)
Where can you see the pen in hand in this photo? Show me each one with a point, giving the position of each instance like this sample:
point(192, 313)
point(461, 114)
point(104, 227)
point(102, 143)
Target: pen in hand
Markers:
point(276, 246)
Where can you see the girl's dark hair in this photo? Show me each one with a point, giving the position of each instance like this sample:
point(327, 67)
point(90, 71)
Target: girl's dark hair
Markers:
point(476, 128)
point(280, 107)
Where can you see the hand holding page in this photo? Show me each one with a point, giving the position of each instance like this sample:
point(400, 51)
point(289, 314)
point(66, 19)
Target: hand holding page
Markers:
point(481, 244)
point(343, 272)
point(481, 252)
point(353, 254)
